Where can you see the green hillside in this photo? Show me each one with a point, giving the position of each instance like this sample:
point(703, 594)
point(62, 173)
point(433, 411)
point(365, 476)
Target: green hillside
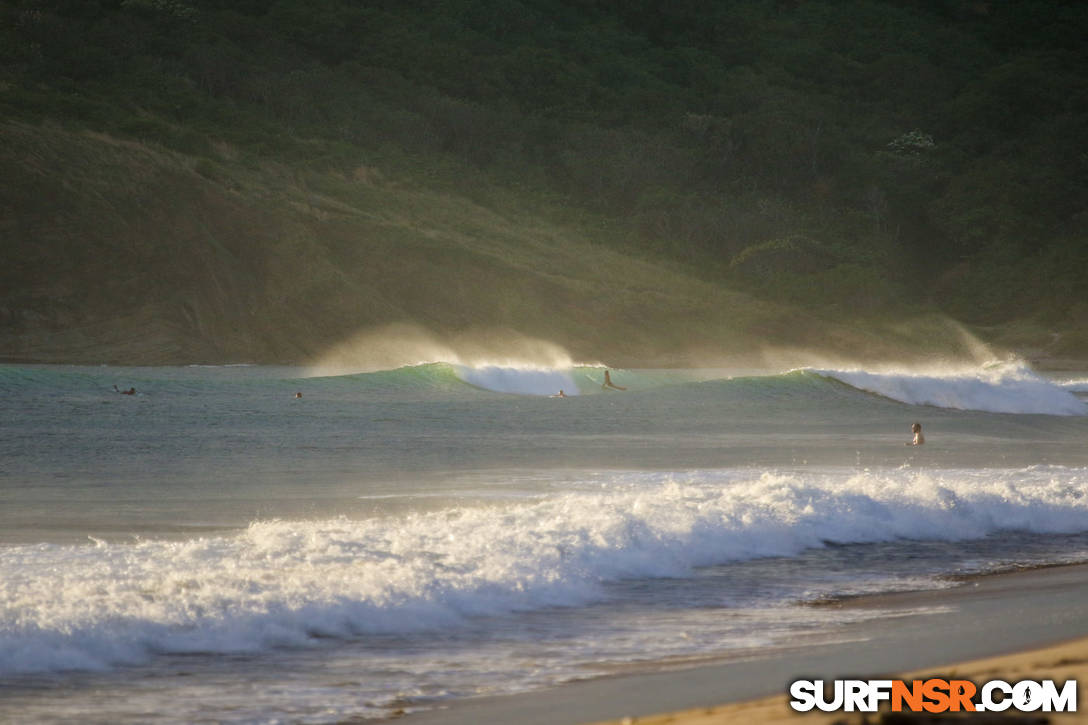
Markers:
point(646, 183)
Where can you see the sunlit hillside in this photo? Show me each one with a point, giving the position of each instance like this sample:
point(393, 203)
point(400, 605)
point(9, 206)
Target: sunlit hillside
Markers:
point(195, 180)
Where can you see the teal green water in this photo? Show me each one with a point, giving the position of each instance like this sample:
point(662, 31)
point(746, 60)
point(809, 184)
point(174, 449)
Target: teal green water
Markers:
point(208, 447)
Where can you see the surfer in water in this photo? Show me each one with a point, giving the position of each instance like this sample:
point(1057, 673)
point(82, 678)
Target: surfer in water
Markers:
point(560, 394)
point(130, 391)
point(609, 384)
point(919, 439)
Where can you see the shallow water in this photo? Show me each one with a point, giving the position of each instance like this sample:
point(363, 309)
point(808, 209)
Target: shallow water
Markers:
point(213, 547)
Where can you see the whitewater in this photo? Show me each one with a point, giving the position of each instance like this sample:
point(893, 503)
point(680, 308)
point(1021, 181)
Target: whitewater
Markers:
point(214, 547)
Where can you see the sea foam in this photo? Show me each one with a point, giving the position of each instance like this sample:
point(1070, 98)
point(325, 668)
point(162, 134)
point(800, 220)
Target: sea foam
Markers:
point(296, 584)
point(520, 380)
point(996, 389)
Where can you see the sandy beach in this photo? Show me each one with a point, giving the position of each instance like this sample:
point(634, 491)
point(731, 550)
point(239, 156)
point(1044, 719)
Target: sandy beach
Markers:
point(1061, 662)
point(1028, 624)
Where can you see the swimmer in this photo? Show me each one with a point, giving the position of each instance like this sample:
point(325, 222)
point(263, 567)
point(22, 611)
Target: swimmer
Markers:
point(560, 394)
point(298, 395)
point(919, 439)
point(609, 384)
point(130, 391)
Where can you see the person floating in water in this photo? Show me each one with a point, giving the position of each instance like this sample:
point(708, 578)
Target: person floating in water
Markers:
point(298, 395)
point(560, 394)
point(609, 384)
point(130, 391)
point(919, 439)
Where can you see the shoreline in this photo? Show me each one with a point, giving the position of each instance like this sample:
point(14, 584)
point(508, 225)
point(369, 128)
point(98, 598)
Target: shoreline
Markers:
point(1066, 660)
point(908, 596)
point(987, 617)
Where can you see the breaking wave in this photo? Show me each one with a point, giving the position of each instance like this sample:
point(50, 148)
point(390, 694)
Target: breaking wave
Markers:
point(997, 389)
point(290, 584)
point(1006, 388)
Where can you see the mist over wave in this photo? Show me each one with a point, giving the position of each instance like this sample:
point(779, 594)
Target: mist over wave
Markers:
point(402, 345)
point(296, 583)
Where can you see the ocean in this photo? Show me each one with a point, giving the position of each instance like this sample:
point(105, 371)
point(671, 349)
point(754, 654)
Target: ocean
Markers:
point(214, 548)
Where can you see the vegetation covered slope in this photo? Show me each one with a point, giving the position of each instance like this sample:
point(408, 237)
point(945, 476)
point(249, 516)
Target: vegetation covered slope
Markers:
point(256, 179)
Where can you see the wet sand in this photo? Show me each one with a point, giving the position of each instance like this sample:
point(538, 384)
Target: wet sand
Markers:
point(1032, 621)
point(1065, 661)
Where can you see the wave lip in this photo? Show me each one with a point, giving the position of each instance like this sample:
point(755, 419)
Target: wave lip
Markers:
point(997, 389)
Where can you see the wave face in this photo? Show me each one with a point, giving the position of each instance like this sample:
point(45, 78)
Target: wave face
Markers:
point(293, 584)
point(1000, 389)
point(516, 380)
